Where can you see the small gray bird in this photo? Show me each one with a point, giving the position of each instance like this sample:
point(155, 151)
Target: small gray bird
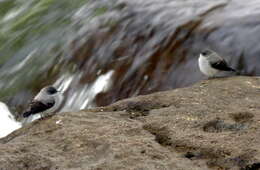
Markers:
point(46, 101)
point(210, 63)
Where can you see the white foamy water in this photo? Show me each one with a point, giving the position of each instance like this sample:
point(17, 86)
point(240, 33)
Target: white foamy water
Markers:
point(79, 99)
point(7, 122)
point(83, 96)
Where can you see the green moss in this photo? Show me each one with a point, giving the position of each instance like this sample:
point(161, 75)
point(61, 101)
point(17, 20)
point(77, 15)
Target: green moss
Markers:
point(5, 6)
point(38, 28)
point(100, 11)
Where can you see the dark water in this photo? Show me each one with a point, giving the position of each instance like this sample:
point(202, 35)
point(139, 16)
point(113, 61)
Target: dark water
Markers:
point(101, 51)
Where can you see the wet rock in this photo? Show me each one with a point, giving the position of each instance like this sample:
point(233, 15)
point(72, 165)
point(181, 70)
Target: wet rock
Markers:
point(149, 45)
point(154, 45)
point(211, 125)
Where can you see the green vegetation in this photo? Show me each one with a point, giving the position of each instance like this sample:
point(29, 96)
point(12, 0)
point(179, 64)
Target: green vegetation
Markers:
point(34, 35)
point(36, 28)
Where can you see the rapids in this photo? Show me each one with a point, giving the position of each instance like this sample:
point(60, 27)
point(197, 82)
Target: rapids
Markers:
point(101, 51)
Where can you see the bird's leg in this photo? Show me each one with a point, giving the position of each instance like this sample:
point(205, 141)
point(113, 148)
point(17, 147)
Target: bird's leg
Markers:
point(41, 116)
point(45, 116)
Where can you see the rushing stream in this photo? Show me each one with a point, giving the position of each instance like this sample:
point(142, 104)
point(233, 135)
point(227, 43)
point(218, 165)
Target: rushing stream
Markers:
point(100, 51)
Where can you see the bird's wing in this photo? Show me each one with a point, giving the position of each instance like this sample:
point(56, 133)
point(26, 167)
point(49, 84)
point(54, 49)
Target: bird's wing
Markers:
point(37, 107)
point(221, 65)
point(214, 57)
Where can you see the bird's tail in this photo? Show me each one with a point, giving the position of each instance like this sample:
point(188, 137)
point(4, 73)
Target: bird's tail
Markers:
point(237, 72)
point(27, 120)
point(26, 114)
point(233, 70)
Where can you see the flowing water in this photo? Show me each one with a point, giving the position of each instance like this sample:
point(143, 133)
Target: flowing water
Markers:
point(8, 123)
point(100, 51)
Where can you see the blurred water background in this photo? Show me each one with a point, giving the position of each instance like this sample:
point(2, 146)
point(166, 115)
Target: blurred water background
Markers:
point(100, 51)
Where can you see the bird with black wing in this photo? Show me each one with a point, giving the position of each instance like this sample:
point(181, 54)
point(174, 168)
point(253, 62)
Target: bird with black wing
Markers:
point(46, 102)
point(210, 63)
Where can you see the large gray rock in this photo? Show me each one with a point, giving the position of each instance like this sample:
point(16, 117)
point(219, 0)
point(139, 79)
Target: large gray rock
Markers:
point(214, 124)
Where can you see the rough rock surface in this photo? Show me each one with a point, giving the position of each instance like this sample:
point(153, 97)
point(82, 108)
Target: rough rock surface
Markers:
point(215, 124)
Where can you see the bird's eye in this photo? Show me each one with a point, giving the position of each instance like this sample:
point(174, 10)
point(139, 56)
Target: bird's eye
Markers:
point(51, 90)
point(206, 52)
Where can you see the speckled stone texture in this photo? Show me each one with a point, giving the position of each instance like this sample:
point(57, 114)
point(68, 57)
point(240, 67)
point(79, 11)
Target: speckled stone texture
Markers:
point(214, 124)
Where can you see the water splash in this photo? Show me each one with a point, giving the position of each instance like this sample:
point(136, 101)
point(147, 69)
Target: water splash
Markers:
point(7, 122)
point(83, 96)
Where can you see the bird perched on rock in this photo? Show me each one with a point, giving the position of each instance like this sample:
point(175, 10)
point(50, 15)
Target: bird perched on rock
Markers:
point(45, 102)
point(210, 63)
